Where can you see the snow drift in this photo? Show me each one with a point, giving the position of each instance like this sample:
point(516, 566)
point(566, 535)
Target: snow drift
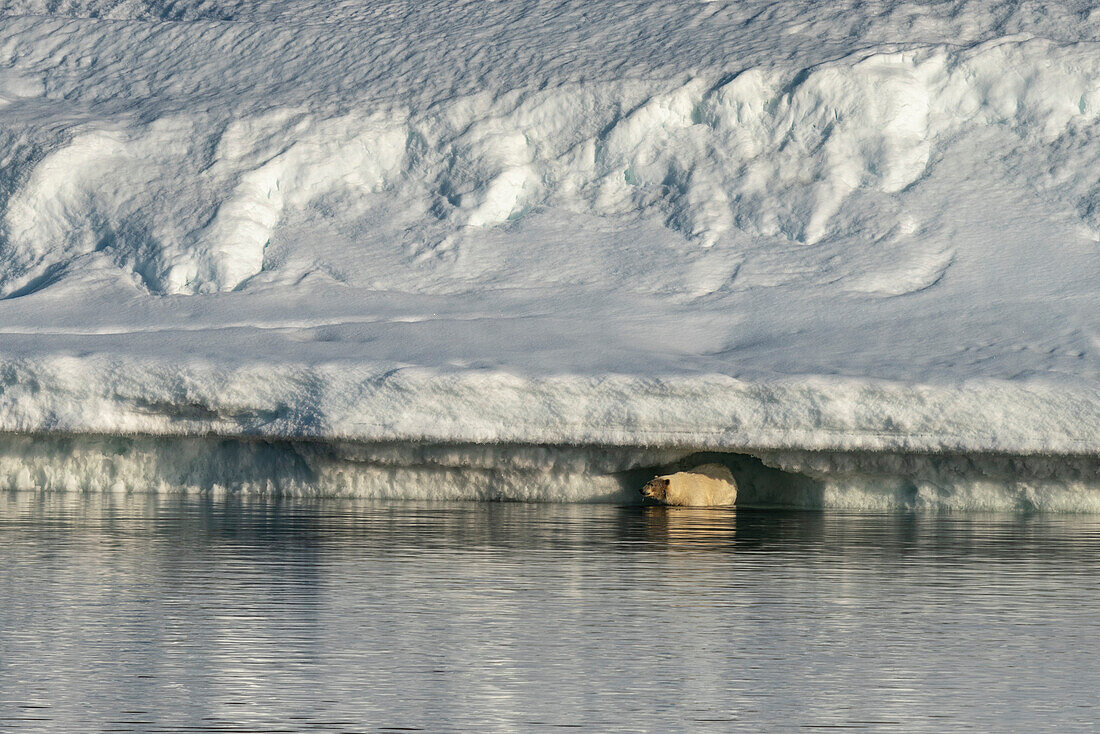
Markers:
point(656, 227)
point(190, 201)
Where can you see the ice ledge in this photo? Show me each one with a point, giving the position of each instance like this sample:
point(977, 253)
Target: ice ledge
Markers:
point(383, 403)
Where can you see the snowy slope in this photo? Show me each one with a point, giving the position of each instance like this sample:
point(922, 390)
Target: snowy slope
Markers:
point(738, 226)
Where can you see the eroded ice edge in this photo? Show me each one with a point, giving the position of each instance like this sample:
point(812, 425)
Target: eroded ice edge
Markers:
point(538, 250)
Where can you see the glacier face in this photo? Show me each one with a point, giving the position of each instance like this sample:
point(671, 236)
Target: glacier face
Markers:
point(657, 226)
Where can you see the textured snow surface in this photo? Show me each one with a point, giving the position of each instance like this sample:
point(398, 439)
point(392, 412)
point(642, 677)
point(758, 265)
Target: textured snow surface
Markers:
point(739, 226)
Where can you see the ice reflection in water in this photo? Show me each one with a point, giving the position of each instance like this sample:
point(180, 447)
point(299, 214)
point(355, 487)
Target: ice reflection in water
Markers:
point(144, 614)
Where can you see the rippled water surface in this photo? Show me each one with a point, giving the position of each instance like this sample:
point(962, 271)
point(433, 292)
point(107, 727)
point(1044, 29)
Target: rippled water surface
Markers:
point(144, 614)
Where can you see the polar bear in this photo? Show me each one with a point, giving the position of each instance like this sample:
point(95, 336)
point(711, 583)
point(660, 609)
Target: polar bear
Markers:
point(709, 485)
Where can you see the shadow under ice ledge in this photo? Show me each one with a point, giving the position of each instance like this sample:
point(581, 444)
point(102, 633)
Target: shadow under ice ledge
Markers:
point(858, 481)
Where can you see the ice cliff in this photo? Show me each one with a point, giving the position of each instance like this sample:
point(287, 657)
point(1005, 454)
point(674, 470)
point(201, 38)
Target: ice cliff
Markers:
point(747, 227)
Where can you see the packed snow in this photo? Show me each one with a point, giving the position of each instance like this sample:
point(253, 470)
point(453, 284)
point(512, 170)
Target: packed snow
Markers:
point(858, 241)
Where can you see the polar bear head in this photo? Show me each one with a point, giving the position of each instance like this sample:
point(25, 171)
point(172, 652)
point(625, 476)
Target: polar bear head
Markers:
point(656, 488)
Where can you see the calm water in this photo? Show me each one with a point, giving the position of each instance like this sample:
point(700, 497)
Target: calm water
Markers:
point(192, 615)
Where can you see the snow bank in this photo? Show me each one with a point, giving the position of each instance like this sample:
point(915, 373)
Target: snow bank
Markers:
point(810, 443)
point(746, 227)
point(354, 403)
point(884, 482)
point(323, 469)
point(865, 482)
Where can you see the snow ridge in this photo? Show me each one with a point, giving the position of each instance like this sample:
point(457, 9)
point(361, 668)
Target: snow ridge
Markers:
point(189, 202)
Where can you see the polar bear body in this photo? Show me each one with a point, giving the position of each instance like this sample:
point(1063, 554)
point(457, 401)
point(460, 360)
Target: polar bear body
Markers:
point(709, 485)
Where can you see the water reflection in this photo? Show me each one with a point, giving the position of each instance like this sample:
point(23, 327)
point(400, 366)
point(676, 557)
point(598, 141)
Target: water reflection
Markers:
point(163, 614)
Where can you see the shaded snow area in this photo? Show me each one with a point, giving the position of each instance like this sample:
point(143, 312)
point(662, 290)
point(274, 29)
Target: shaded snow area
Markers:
point(842, 244)
point(856, 481)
